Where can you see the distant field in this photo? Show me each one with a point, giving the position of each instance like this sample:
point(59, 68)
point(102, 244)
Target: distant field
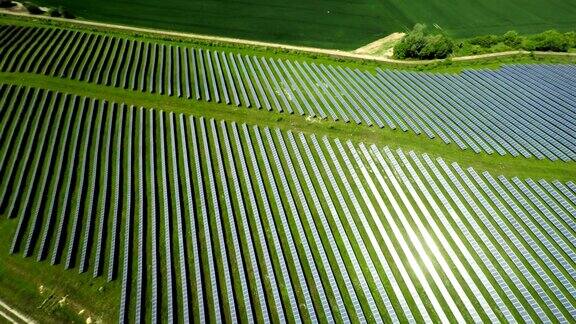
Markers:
point(329, 24)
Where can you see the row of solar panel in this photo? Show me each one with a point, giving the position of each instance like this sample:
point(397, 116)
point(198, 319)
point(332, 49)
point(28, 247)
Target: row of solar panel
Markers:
point(314, 244)
point(505, 111)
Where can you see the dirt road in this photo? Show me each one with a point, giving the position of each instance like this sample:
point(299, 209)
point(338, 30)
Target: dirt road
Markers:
point(329, 52)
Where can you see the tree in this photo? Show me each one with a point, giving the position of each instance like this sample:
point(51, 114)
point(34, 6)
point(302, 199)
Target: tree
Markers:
point(412, 43)
point(416, 44)
point(550, 40)
point(512, 39)
point(64, 12)
point(54, 12)
point(437, 46)
point(571, 37)
point(33, 9)
point(6, 3)
point(485, 41)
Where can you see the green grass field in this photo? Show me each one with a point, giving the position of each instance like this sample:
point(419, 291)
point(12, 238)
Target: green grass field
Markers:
point(328, 24)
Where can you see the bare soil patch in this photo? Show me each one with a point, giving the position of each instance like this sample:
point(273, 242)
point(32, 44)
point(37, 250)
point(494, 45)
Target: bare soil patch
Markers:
point(382, 47)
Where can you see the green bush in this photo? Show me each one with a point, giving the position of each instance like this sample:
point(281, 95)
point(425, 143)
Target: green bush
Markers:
point(571, 37)
point(485, 41)
point(416, 44)
point(54, 12)
point(6, 3)
point(64, 12)
point(32, 8)
point(411, 45)
point(437, 46)
point(512, 39)
point(550, 40)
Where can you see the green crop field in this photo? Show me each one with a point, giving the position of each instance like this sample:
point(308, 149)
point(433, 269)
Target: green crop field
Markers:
point(165, 180)
point(329, 24)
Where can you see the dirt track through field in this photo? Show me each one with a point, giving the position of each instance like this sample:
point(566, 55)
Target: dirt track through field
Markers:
point(328, 52)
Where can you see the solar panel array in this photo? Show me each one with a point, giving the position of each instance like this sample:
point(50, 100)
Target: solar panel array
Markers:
point(519, 110)
point(212, 221)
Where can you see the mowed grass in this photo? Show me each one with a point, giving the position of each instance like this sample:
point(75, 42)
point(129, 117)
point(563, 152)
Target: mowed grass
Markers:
point(21, 280)
point(495, 164)
point(328, 24)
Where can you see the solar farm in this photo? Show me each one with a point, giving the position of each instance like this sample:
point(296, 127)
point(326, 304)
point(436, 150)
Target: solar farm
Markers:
point(124, 165)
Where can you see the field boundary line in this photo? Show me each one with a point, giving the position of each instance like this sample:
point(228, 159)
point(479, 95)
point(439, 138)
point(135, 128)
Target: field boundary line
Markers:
point(310, 50)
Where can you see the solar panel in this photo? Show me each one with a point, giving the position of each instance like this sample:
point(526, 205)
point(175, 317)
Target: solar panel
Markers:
point(229, 214)
point(541, 222)
point(264, 79)
point(268, 212)
point(513, 239)
point(246, 80)
point(204, 219)
point(567, 206)
point(152, 73)
point(313, 229)
point(177, 72)
point(316, 92)
point(341, 94)
point(536, 231)
point(384, 234)
point(57, 176)
point(127, 215)
point(260, 237)
point(284, 89)
point(560, 226)
point(140, 81)
point(121, 59)
point(89, 204)
point(412, 235)
point(41, 183)
point(204, 76)
point(227, 286)
point(165, 217)
point(151, 187)
point(215, 89)
point(301, 234)
point(479, 230)
point(291, 86)
point(80, 186)
point(425, 214)
point(230, 80)
point(565, 189)
point(311, 97)
point(195, 72)
point(102, 71)
point(358, 209)
point(460, 244)
point(258, 84)
point(18, 125)
point(186, 71)
point(81, 70)
point(244, 219)
point(178, 215)
point(339, 225)
point(221, 78)
point(323, 93)
point(570, 221)
point(189, 208)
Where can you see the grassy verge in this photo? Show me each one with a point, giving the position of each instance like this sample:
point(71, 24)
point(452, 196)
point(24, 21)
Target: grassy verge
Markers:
point(495, 164)
point(446, 66)
point(37, 289)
